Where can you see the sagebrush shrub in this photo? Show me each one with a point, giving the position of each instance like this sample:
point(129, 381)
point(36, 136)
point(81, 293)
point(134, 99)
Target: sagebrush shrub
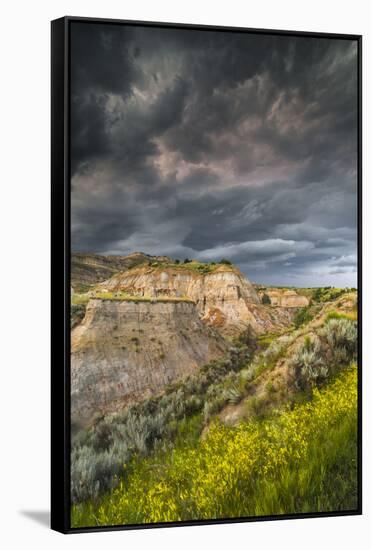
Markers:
point(193, 404)
point(102, 451)
point(303, 459)
point(233, 395)
point(93, 473)
point(308, 364)
point(341, 334)
point(99, 455)
point(102, 436)
point(248, 374)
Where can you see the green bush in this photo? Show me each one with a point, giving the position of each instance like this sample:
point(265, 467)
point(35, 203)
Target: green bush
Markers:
point(341, 334)
point(265, 299)
point(93, 473)
point(99, 455)
point(316, 296)
point(102, 439)
point(214, 406)
point(193, 404)
point(336, 315)
point(327, 294)
point(257, 406)
point(248, 374)
point(308, 364)
point(233, 394)
point(247, 338)
point(268, 358)
point(303, 316)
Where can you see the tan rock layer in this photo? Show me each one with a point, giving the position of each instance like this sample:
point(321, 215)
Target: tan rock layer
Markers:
point(123, 352)
point(288, 298)
point(224, 298)
point(226, 291)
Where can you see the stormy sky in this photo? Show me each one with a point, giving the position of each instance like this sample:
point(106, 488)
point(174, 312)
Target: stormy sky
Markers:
point(215, 145)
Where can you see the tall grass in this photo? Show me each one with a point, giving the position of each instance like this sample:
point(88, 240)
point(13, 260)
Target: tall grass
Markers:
point(79, 299)
point(102, 453)
point(302, 460)
point(194, 265)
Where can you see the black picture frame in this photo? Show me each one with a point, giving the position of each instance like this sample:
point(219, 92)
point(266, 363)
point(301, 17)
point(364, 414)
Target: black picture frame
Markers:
point(60, 271)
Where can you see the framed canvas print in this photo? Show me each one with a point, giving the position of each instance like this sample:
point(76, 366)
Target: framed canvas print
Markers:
point(206, 275)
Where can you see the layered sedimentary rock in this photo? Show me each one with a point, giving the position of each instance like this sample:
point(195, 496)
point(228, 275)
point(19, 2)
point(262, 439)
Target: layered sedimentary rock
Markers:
point(125, 351)
point(152, 325)
point(224, 298)
point(291, 299)
point(89, 269)
point(286, 298)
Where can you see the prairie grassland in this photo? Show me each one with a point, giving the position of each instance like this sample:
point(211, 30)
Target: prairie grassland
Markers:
point(302, 459)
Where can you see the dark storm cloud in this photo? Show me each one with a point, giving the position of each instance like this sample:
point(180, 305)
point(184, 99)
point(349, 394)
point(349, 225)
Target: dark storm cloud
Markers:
point(209, 145)
point(102, 59)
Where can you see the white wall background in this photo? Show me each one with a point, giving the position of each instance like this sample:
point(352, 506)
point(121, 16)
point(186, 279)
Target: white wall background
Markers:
point(24, 271)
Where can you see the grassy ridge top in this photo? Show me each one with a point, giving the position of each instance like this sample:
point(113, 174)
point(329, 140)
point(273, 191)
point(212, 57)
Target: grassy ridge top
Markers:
point(193, 266)
point(83, 299)
point(123, 297)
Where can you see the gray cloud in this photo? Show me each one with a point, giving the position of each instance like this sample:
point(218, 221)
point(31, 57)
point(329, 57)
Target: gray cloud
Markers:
point(215, 144)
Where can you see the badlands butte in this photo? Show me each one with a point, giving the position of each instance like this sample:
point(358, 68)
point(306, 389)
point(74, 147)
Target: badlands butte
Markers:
point(141, 323)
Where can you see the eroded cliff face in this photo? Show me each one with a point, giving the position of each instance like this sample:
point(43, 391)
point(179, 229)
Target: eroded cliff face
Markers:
point(224, 298)
point(286, 298)
point(221, 298)
point(89, 269)
point(125, 351)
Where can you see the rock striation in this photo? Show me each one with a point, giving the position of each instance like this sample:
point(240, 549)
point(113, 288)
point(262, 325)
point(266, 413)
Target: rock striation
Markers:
point(221, 297)
point(89, 269)
point(125, 351)
point(286, 298)
point(224, 297)
point(153, 323)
